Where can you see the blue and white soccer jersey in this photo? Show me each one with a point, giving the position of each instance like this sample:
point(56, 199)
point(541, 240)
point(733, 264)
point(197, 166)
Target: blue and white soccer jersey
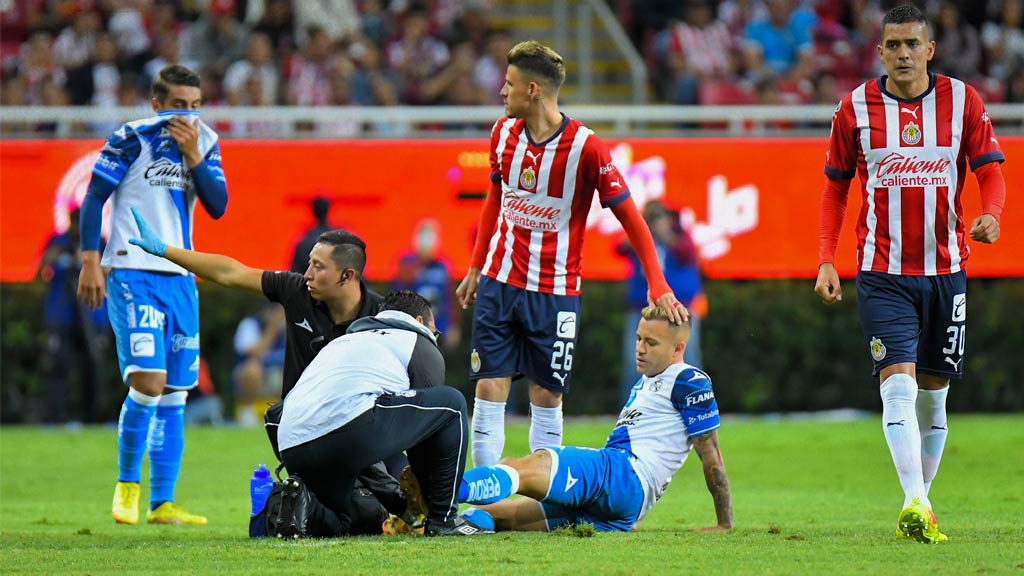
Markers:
point(154, 305)
point(614, 488)
point(143, 161)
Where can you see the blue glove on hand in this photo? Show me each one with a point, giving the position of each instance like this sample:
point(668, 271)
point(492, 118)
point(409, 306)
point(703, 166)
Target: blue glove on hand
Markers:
point(149, 242)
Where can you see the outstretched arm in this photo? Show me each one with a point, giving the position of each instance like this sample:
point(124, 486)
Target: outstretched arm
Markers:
point(716, 479)
point(223, 270)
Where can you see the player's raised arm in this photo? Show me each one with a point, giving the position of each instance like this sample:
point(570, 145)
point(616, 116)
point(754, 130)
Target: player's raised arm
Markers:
point(223, 270)
point(717, 480)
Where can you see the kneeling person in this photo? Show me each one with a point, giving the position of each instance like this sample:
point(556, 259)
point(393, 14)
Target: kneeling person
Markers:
point(374, 392)
point(670, 409)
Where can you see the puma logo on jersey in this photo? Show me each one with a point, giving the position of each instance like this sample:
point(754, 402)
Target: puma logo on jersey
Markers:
point(532, 155)
point(305, 324)
point(911, 111)
point(956, 365)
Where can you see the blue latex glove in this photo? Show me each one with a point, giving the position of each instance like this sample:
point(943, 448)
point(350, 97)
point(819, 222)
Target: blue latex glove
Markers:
point(149, 242)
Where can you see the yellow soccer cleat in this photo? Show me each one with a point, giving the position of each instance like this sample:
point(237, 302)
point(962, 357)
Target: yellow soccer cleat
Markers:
point(917, 522)
point(171, 513)
point(416, 509)
point(126, 503)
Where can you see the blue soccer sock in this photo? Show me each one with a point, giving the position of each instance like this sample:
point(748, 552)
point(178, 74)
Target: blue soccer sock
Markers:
point(132, 429)
point(166, 446)
point(488, 484)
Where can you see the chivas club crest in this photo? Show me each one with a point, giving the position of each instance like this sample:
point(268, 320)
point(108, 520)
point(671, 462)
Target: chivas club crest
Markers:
point(911, 133)
point(474, 361)
point(877, 349)
point(528, 179)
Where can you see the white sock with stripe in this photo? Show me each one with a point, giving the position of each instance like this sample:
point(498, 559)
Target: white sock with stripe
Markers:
point(899, 423)
point(488, 432)
point(931, 418)
point(545, 427)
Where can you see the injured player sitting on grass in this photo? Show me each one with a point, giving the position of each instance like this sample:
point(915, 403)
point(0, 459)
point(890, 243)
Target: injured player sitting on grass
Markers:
point(671, 408)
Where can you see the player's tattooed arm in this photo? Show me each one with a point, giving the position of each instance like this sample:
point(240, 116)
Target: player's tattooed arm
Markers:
point(716, 478)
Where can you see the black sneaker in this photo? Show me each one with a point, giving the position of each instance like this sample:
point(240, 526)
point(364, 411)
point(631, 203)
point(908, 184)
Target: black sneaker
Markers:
point(293, 516)
point(458, 527)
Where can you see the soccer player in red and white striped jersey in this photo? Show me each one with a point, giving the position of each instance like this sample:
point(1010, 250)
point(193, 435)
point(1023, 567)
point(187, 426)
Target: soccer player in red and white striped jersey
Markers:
point(909, 136)
point(525, 272)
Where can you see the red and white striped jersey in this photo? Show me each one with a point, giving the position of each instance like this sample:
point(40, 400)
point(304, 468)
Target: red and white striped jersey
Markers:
point(546, 192)
point(911, 158)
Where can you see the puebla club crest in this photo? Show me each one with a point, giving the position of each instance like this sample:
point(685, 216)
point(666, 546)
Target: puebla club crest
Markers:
point(528, 179)
point(911, 134)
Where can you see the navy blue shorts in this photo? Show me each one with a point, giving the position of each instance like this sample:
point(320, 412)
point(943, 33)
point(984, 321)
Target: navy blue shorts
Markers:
point(516, 331)
point(919, 319)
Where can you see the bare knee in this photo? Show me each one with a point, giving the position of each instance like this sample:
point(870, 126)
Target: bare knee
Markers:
point(534, 473)
point(541, 396)
point(148, 383)
point(493, 389)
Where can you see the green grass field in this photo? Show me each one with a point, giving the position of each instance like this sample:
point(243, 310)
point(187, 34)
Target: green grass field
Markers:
point(809, 497)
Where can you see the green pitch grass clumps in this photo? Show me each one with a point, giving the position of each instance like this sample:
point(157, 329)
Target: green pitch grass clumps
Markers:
point(809, 497)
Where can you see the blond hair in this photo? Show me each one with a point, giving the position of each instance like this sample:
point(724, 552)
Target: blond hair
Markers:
point(537, 60)
point(658, 313)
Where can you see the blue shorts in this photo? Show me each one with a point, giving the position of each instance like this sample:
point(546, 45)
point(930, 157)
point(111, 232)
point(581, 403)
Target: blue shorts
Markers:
point(598, 487)
point(516, 331)
point(919, 319)
point(155, 318)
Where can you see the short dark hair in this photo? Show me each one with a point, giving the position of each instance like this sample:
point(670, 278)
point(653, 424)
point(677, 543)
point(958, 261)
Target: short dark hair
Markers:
point(321, 206)
point(904, 14)
point(349, 250)
point(535, 59)
point(407, 301)
point(173, 75)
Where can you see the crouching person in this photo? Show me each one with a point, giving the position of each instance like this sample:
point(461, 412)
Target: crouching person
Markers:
point(374, 392)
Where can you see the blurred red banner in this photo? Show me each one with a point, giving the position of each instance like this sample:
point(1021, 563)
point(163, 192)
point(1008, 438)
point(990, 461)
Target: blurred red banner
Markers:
point(752, 204)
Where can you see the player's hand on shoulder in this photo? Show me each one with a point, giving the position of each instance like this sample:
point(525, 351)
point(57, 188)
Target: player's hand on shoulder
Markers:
point(827, 286)
point(985, 228)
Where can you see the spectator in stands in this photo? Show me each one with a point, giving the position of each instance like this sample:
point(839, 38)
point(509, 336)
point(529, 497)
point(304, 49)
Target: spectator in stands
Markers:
point(308, 71)
point(217, 39)
point(489, 71)
point(957, 48)
point(738, 14)
point(339, 19)
point(377, 24)
point(168, 52)
point(76, 44)
point(257, 66)
point(700, 48)
point(95, 83)
point(454, 84)
point(416, 55)
point(278, 24)
point(128, 25)
point(372, 83)
point(781, 44)
point(37, 67)
point(1003, 41)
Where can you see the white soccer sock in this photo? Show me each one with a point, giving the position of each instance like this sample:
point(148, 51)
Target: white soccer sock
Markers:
point(545, 427)
point(899, 423)
point(931, 417)
point(488, 432)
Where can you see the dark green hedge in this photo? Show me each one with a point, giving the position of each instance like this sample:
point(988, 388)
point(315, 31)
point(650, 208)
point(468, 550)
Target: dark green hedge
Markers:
point(768, 345)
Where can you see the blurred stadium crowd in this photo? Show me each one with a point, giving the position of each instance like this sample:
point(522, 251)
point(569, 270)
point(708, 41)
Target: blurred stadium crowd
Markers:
point(429, 52)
